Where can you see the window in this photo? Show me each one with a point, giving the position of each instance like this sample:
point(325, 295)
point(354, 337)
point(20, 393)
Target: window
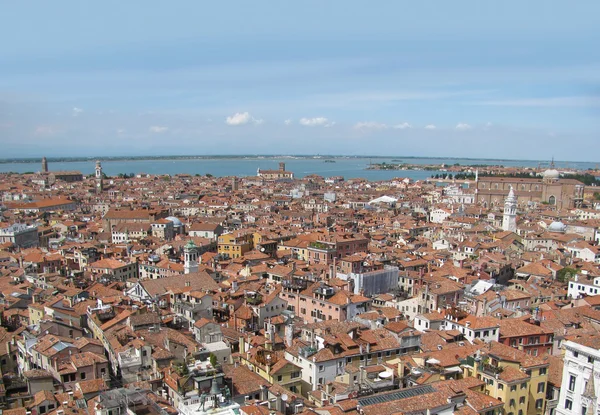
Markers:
point(279, 378)
point(295, 375)
point(541, 387)
point(539, 403)
point(543, 371)
point(575, 354)
point(500, 386)
point(524, 385)
point(82, 375)
point(512, 402)
point(522, 400)
point(568, 404)
point(583, 410)
point(590, 359)
point(321, 368)
point(513, 388)
point(572, 380)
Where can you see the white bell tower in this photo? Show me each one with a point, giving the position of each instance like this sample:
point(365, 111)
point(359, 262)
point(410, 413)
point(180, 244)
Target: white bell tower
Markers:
point(99, 177)
point(509, 218)
point(190, 258)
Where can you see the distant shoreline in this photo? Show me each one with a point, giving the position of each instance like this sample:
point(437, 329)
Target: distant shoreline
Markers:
point(22, 160)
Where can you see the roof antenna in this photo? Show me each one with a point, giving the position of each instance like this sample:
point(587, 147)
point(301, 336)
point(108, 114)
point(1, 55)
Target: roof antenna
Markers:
point(552, 163)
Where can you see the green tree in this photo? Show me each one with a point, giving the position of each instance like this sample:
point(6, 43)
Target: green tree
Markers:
point(566, 274)
point(213, 360)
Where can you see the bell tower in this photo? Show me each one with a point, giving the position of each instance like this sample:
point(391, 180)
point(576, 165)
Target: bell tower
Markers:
point(99, 177)
point(190, 258)
point(509, 218)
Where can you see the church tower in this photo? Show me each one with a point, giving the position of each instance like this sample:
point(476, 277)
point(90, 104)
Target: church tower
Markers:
point(190, 258)
point(509, 219)
point(99, 181)
point(44, 165)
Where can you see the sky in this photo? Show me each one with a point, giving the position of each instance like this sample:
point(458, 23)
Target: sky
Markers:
point(511, 79)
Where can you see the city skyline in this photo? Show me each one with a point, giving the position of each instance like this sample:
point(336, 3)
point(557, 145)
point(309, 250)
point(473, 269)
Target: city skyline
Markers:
point(459, 80)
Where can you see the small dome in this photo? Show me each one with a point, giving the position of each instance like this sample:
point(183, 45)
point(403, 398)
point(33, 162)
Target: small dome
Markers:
point(551, 174)
point(557, 227)
point(176, 222)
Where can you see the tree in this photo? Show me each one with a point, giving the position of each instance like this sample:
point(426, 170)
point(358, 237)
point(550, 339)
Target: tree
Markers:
point(213, 360)
point(566, 274)
point(209, 175)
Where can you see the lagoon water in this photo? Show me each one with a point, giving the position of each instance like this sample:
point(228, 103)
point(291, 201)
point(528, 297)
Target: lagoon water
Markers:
point(343, 166)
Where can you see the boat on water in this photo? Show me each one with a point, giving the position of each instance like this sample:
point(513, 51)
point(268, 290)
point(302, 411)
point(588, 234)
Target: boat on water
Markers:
point(329, 161)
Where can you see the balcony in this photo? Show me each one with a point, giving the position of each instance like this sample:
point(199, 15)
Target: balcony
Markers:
point(490, 369)
point(127, 361)
point(323, 247)
point(254, 300)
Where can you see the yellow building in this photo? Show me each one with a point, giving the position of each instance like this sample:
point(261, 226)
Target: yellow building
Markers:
point(512, 376)
point(36, 313)
point(273, 367)
point(235, 244)
point(299, 248)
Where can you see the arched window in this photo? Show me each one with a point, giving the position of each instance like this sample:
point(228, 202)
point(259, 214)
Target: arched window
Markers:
point(522, 187)
point(552, 200)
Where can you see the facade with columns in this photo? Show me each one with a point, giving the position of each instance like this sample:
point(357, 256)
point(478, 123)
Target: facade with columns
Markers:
point(550, 189)
point(580, 379)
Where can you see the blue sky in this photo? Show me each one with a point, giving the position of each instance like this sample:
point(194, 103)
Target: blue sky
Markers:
point(508, 79)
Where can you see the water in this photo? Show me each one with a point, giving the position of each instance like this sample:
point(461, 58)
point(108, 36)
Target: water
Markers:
point(347, 167)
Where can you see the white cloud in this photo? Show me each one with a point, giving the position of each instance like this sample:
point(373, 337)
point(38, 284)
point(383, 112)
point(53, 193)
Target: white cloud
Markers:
point(463, 126)
point(241, 118)
point(287, 122)
point(430, 127)
point(316, 121)
point(402, 126)
point(369, 125)
point(76, 111)
point(158, 129)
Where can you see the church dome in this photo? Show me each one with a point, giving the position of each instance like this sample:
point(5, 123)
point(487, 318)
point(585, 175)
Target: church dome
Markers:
point(551, 174)
point(557, 227)
point(176, 222)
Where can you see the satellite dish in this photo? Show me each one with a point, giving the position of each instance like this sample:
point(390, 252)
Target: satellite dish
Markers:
point(284, 397)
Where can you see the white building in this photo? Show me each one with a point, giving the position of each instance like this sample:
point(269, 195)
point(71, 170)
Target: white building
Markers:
point(581, 286)
point(439, 215)
point(581, 373)
point(485, 329)
point(21, 235)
